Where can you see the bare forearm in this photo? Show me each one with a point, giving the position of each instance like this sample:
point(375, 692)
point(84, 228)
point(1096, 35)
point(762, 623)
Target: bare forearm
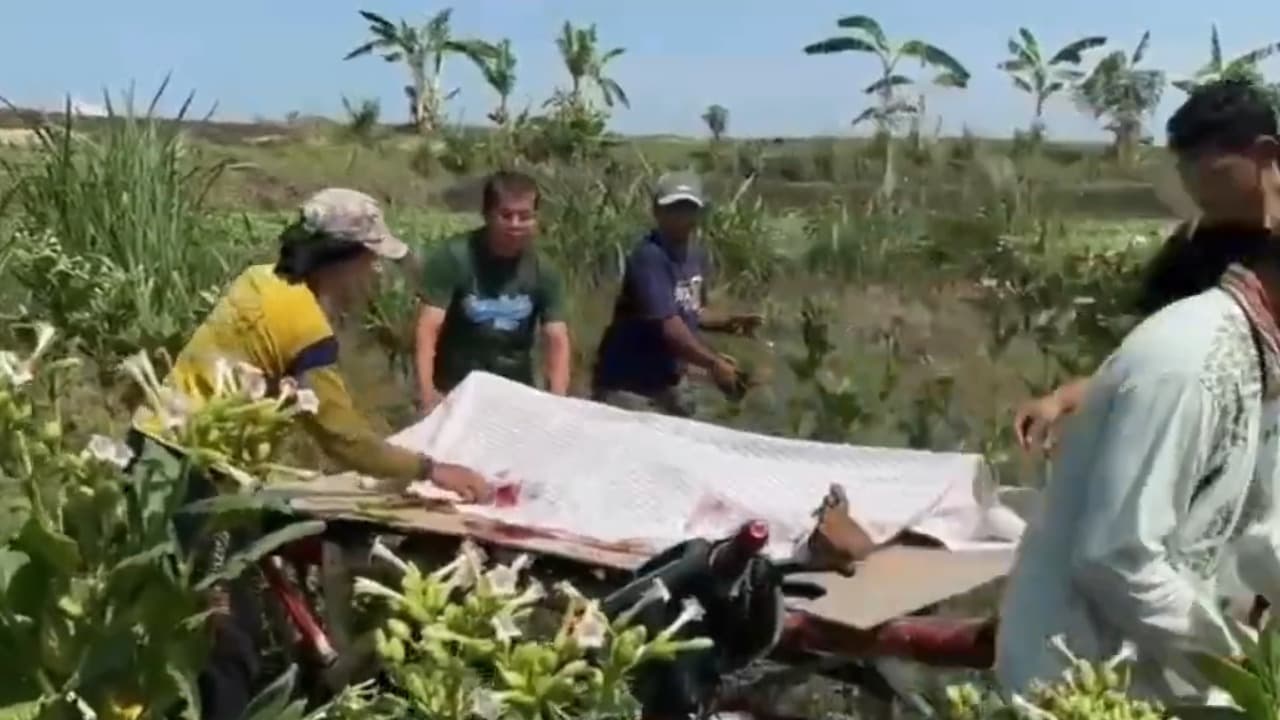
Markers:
point(1071, 395)
point(426, 366)
point(426, 335)
point(712, 321)
point(686, 345)
point(558, 367)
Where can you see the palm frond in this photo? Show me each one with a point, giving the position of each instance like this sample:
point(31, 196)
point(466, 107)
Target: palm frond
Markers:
point(613, 92)
point(867, 25)
point(935, 56)
point(1257, 55)
point(1073, 53)
point(887, 83)
point(1029, 42)
point(839, 44)
point(1141, 51)
point(377, 22)
point(362, 50)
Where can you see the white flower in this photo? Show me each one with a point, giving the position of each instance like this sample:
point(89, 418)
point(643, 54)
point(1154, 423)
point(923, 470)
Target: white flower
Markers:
point(245, 480)
point(44, 336)
point(138, 366)
point(504, 626)
point(487, 705)
point(1059, 643)
point(567, 589)
point(109, 451)
point(224, 381)
point(1029, 710)
point(252, 381)
point(1128, 653)
point(308, 401)
point(174, 408)
point(691, 612)
point(288, 388)
point(657, 592)
point(381, 552)
point(531, 595)
point(502, 579)
point(466, 568)
point(590, 627)
point(82, 707)
point(11, 369)
point(365, 586)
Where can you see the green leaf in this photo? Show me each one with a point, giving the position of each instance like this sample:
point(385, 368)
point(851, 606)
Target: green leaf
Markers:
point(868, 25)
point(839, 44)
point(23, 711)
point(234, 509)
point(49, 546)
point(1253, 57)
point(1141, 51)
point(238, 563)
point(886, 83)
point(124, 577)
point(1244, 687)
point(11, 561)
point(377, 21)
point(360, 51)
point(186, 688)
point(934, 56)
point(274, 699)
point(1202, 712)
point(1073, 54)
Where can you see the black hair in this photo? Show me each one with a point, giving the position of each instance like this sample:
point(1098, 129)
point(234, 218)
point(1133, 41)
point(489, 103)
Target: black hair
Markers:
point(1192, 260)
point(506, 183)
point(1226, 114)
point(302, 252)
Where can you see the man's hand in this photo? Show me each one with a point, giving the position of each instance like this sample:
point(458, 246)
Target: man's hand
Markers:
point(467, 483)
point(725, 374)
point(1036, 421)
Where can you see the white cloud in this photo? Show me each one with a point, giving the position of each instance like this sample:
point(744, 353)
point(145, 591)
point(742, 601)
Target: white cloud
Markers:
point(80, 107)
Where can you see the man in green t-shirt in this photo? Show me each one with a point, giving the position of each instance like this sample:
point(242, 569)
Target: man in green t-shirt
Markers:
point(485, 293)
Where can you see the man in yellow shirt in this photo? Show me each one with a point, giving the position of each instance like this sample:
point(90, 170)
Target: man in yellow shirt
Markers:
point(277, 319)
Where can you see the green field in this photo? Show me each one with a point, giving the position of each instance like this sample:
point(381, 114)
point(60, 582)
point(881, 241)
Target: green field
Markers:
point(917, 315)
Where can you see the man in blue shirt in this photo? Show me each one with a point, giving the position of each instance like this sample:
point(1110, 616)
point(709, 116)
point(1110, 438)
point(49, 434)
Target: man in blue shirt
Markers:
point(654, 335)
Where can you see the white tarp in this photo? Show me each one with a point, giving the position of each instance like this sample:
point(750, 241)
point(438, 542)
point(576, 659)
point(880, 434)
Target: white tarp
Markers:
point(616, 476)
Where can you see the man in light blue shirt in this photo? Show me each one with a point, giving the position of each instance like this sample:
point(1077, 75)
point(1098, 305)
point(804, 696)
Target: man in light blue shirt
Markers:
point(1166, 474)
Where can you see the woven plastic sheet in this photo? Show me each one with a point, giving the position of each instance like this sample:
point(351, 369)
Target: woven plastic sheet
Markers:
point(594, 471)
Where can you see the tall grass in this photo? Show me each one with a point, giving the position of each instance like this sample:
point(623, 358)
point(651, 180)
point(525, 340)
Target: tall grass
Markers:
point(119, 250)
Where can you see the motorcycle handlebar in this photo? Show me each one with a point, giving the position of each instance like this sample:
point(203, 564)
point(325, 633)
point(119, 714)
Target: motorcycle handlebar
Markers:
point(698, 561)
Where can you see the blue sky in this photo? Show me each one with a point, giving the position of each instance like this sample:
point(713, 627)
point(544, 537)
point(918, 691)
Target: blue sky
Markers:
point(266, 58)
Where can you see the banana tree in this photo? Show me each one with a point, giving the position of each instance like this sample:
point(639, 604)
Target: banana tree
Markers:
point(717, 119)
point(497, 63)
point(580, 51)
point(891, 104)
point(1041, 78)
point(1124, 94)
point(423, 51)
point(1243, 66)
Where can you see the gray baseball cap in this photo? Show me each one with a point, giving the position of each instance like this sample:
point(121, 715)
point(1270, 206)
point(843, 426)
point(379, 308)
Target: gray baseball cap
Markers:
point(674, 187)
point(344, 214)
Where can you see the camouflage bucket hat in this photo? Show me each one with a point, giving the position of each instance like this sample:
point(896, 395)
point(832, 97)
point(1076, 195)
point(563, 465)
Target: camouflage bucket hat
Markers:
point(348, 215)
